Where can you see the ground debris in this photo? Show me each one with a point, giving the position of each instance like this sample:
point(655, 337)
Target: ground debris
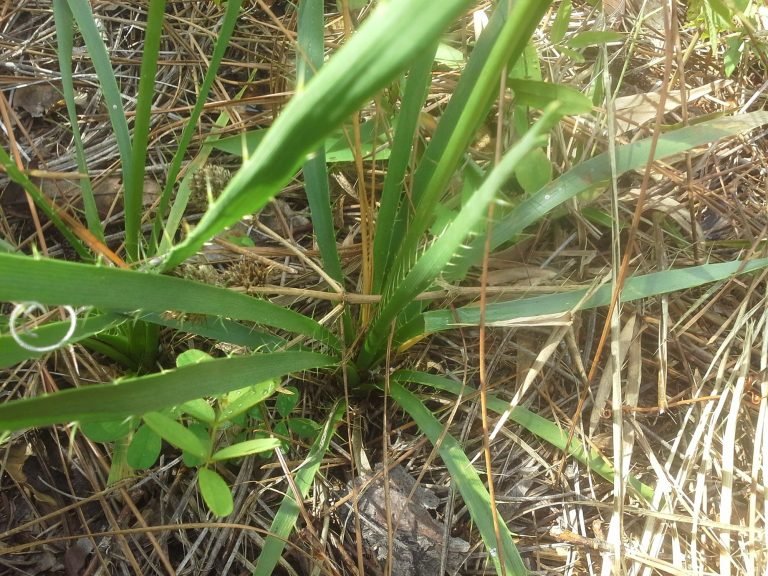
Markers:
point(418, 538)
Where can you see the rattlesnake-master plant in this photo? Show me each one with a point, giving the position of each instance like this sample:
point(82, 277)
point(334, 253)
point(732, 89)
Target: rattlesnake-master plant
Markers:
point(119, 311)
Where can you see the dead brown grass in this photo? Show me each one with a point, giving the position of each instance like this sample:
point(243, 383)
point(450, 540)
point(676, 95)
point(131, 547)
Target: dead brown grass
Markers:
point(693, 423)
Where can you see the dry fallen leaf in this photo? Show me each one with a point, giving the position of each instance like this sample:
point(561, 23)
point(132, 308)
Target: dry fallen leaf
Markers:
point(637, 109)
point(36, 99)
point(76, 555)
point(418, 539)
point(107, 194)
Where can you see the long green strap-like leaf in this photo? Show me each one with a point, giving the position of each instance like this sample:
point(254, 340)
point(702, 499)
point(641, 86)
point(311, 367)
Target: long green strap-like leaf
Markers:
point(535, 424)
point(218, 329)
point(467, 481)
point(65, 33)
point(86, 22)
point(309, 60)
point(500, 44)
point(410, 281)
point(388, 229)
point(596, 172)
point(635, 288)
point(134, 185)
point(285, 519)
point(190, 129)
point(374, 55)
point(311, 32)
point(58, 283)
point(11, 352)
point(135, 396)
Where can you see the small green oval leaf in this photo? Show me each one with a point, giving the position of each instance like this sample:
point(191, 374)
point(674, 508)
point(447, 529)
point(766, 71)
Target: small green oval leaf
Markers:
point(215, 492)
point(204, 434)
point(281, 431)
point(595, 38)
point(175, 433)
point(192, 357)
point(107, 431)
point(144, 448)
point(540, 94)
point(303, 427)
point(239, 401)
point(287, 400)
point(200, 410)
point(245, 448)
point(535, 172)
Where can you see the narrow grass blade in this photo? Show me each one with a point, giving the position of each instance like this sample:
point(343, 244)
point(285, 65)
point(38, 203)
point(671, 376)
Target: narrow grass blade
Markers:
point(501, 43)
point(337, 148)
point(311, 28)
point(535, 424)
point(311, 33)
point(86, 22)
point(392, 194)
point(466, 479)
point(7, 247)
point(135, 396)
point(218, 329)
point(114, 347)
point(168, 230)
point(596, 172)
point(41, 202)
point(410, 281)
point(285, 519)
point(222, 42)
point(12, 353)
point(65, 32)
point(53, 282)
point(374, 55)
point(134, 186)
point(635, 288)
